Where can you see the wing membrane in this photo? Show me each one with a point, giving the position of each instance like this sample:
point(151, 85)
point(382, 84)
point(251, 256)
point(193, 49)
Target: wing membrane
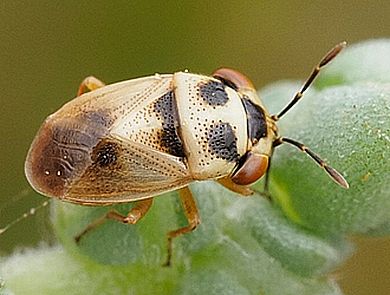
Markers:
point(119, 99)
point(127, 172)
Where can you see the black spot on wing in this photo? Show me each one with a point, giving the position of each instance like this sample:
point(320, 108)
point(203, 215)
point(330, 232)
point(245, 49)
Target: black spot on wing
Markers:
point(257, 124)
point(166, 108)
point(105, 153)
point(213, 93)
point(223, 142)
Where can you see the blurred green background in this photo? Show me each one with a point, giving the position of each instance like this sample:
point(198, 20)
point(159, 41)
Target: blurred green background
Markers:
point(48, 47)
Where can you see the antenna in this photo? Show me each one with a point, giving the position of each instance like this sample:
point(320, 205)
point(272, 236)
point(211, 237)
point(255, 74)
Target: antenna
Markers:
point(332, 173)
point(324, 61)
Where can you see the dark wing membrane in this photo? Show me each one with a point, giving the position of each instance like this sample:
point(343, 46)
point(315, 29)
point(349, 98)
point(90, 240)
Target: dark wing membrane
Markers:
point(124, 171)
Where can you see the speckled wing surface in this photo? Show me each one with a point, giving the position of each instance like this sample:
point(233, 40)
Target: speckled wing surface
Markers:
point(118, 143)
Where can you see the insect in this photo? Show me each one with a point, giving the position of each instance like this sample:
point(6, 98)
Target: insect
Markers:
point(133, 140)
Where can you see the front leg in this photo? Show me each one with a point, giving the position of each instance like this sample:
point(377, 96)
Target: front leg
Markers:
point(243, 190)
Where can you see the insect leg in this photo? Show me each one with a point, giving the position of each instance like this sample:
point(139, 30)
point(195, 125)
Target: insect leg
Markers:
point(191, 212)
point(324, 61)
point(90, 83)
point(230, 185)
point(135, 214)
point(333, 173)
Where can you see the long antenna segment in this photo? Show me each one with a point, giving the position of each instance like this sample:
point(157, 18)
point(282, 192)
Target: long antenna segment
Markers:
point(324, 61)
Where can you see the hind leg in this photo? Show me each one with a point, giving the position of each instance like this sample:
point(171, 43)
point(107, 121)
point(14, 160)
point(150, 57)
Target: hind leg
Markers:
point(88, 84)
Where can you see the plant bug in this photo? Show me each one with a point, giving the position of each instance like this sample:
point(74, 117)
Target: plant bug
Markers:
point(133, 140)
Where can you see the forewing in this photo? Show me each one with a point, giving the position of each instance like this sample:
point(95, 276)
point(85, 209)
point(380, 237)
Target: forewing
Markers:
point(119, 99)
point(124, 171)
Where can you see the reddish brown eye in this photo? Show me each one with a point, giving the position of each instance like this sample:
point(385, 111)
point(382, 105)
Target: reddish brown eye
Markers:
point(254, 167)
point(233, 78)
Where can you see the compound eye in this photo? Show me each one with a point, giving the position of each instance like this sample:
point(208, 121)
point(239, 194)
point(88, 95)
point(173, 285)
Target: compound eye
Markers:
point(233, 79)
point(254, 167)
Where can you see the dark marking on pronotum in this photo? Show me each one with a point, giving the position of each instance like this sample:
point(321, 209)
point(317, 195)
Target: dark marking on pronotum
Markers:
point(213, 93)
point(165, 107)
point(223, 142)
point(257, 124)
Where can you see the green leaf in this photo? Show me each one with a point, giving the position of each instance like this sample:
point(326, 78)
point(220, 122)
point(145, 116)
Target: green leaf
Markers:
point(349, 126)
point(223, 256)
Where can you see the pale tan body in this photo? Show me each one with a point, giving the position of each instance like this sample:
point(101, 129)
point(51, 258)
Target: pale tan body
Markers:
point(153, 171)
point(146, 168)
point(136, 139)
